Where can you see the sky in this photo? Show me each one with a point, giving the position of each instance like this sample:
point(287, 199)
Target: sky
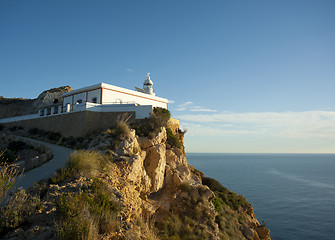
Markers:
point(241, 76)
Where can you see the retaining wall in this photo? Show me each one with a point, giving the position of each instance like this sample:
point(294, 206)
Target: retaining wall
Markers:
point(76, 124)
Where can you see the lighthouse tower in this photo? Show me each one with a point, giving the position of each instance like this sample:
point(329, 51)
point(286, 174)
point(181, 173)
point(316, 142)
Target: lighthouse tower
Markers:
point(147, 85)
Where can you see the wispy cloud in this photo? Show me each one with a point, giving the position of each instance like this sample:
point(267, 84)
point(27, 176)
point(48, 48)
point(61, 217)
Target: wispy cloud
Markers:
point(308, 124)
point(171, 101)
point(129, 70)
point(190, 106)
point(184, 106)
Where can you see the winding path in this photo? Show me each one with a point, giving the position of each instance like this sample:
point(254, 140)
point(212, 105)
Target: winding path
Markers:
point(60, 156)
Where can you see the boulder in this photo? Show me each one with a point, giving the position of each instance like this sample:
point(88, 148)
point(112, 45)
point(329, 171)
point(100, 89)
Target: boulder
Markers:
point(154, 164)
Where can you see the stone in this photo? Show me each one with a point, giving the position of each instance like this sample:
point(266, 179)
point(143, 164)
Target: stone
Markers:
point(154, 164)
point(247, 232)
point(194, 194)
point(263, 232)
point(145, 142)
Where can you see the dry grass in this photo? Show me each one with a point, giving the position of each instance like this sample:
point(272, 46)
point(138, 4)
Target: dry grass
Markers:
point(8, 176)
point(85, 163)
point(82, 163)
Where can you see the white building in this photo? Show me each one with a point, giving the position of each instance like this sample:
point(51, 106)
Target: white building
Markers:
point(104, 97)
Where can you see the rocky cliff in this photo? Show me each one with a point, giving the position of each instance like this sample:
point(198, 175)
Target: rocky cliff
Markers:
point(11, 107)
point(126, 186)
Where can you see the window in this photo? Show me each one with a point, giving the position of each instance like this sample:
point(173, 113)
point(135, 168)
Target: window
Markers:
point(94, 100)
point(56, 100)
point(79, 101)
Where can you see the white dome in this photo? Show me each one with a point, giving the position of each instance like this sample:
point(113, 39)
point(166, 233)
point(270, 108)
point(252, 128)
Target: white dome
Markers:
point(147, 85)
point(148, 81)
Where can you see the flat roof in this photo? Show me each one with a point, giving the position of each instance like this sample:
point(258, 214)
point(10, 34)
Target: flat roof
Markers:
point(114, 88)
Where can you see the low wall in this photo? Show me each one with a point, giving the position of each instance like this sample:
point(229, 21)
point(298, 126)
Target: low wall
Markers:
point(76, 124)
point(46, 153)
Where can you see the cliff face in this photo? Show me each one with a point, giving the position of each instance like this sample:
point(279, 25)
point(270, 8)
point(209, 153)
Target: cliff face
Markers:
point(160, 194)
point(11, 107)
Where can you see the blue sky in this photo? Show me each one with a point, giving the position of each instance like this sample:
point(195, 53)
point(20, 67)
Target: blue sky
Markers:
point(242, 76)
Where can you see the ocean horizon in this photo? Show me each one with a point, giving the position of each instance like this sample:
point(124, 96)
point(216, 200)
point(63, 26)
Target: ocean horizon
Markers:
point(294, 193)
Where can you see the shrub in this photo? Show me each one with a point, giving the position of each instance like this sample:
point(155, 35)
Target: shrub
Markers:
point(12, 129)
point(19, 207)
point(142, 229)
point(54, 136)
point(172, 139)
point(8, 156)
point(1, 127)
point(196, 171)
point(122, 129)
point(86, 214)
point(181, 227)
point(33, 131)
point(149, 127)
point(60, 176)
point(15, 128)
point(8, 177)
point(230, 198)
point(185, 187)
point(16, 146)
point(218, 203)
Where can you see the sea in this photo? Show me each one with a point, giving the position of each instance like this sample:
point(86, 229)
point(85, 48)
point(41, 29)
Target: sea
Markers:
point(293, 193)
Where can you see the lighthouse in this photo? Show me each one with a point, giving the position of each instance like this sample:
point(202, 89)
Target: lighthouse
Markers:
point(148, 85)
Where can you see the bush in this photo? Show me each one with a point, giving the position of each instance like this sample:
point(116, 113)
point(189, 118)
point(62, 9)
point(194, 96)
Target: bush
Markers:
point(60, 176)
point(8, 177)
point(19, 207)
point(1, 127)
point(12, 129)
point(69, 141)
point(181, 227)
point(15, 128)
point(33, 131)
point(8, 156)
point(149, 127)
point(54, 136)
point(233, 200)
point(122, 129)
point(172, 139)
point(86, 214)
point(16, 146)
point(185, 187)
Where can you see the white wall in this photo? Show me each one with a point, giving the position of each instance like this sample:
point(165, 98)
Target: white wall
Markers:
point(141, 112)
point(67, 100)
point(92, 94)
point(82, 96)
point(110, 96)
point(79, 96)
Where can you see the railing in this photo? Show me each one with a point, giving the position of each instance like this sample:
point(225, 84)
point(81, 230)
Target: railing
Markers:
point(19, 118)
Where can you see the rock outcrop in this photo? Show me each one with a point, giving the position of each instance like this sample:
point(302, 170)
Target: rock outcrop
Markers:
point(152, 181)
point(12, 107)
